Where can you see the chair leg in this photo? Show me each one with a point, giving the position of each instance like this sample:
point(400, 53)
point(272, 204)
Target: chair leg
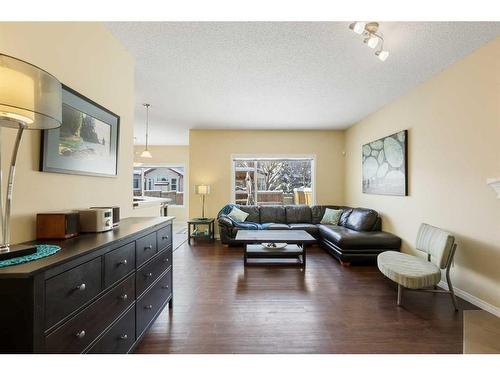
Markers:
point(400, 294)
point(452, 292)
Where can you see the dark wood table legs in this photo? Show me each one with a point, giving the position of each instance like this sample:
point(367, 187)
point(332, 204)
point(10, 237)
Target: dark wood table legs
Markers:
point(291, 251)
point(193, 225)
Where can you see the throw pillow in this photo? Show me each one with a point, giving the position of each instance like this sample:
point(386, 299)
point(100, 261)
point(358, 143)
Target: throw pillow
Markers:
point(237, 215)
point(331, 217)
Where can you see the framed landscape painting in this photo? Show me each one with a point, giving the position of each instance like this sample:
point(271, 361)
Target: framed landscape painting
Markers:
point(87, 141)
point(385, 165)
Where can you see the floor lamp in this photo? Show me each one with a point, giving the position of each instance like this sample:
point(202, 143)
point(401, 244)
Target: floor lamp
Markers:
point(30, 99)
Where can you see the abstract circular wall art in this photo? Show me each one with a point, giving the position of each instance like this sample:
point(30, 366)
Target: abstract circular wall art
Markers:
point(385, 165)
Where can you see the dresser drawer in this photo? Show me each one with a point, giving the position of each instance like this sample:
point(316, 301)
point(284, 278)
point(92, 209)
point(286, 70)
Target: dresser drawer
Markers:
point(68, 291)
point(120, 338)
point(164, 237)
point(76, 334)
point(145, 248)
point(150, 272)
point(149, 305)
point(118, 263)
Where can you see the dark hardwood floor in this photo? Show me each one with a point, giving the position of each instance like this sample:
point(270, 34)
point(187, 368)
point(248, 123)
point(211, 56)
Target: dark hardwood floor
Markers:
point(221, 307)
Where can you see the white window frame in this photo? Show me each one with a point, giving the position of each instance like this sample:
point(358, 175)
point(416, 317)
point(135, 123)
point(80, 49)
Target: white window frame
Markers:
point(170, 165)
point(311, 157)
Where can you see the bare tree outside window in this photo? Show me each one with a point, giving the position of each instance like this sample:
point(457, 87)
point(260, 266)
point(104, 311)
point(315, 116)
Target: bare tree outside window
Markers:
point(273, 181)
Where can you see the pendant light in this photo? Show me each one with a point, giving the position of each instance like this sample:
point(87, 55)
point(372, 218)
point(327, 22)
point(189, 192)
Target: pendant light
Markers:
point(146, 153)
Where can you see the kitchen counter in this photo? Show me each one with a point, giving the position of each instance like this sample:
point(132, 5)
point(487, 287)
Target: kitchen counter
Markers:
point(143, 201)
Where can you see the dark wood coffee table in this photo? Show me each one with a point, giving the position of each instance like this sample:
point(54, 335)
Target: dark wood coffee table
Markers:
point(296, 241)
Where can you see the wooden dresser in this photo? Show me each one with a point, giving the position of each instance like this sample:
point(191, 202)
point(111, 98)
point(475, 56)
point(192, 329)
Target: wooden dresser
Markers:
point(99, 294)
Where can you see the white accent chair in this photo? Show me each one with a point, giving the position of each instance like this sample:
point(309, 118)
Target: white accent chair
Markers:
point(419, 274)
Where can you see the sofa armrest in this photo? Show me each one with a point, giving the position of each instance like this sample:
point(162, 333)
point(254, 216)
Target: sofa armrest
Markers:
point(225, 221)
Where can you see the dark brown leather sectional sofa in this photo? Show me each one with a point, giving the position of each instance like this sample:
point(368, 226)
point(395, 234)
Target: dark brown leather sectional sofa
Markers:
point(358, 237)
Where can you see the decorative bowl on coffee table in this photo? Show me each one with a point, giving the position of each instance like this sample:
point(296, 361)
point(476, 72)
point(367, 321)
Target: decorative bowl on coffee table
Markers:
point(274, 246)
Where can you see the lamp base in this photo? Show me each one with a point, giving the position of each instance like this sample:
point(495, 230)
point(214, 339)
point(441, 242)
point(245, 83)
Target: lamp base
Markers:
point(15, 251)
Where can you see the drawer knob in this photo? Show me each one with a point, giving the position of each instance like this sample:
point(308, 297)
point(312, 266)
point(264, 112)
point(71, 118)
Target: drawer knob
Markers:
point(124, 297)
point(81, 287)
point(124, 262)
point(80, 334)
point(149, 274)
point(166, 260)
point(165, 287)
point(164, 237)
point(150, 247)
point(124, 336)
point(148, 307)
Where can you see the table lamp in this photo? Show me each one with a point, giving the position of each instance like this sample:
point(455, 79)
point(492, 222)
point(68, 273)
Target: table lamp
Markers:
point(30, 99)
point(202, 190)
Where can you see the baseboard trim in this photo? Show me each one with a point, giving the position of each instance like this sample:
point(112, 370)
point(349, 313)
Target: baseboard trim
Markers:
point(473, 299)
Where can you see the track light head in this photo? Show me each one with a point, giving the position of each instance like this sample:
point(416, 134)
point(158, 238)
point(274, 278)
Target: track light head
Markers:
point(358, 27)
point(382, 55)
point(372, 41)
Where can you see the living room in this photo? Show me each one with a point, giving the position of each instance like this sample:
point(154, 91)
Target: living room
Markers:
point(196, 186)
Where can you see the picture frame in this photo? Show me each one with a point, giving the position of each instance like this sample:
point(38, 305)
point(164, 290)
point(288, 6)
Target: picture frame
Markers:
point(385, 165)
point(87, 141)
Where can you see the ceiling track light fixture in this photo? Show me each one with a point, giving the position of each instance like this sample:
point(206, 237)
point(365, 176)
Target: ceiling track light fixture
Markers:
point(146, 153)
point(371, 37)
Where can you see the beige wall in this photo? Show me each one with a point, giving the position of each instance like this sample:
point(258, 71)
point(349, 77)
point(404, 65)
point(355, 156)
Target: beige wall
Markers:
point(210, 160)
point(454, 146)
point(86, 57)
point(170, 155)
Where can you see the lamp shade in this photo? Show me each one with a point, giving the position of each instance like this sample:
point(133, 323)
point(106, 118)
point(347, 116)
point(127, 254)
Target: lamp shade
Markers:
point(146, 154)
point(202, 189)
point(382, 55)
point(28, 96)
point(358, 27)
point(372, 41)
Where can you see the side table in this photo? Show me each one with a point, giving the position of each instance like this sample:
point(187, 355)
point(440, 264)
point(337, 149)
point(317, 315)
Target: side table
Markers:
point(195, 232)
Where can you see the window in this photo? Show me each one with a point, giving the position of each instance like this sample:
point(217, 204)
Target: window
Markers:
point(173, 184)
point(266, 181)
point(160, 182)
point(137, 183)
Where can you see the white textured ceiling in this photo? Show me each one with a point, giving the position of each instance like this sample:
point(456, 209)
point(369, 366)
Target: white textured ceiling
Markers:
point(280, 75)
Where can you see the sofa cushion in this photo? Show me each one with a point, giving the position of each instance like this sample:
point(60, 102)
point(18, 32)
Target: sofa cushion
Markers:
point(317, 212)
point(331, 216)
point(408, 270)
point(273, 226)
point(237, 215)
point(298, 214)
point(309, 228)
point(272, 214)
point(361, 219)
point(346, 211)
point(346, 238)
point(252, 211)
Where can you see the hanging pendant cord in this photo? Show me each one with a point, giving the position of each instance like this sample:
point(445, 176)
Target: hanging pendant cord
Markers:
point(147, 124)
